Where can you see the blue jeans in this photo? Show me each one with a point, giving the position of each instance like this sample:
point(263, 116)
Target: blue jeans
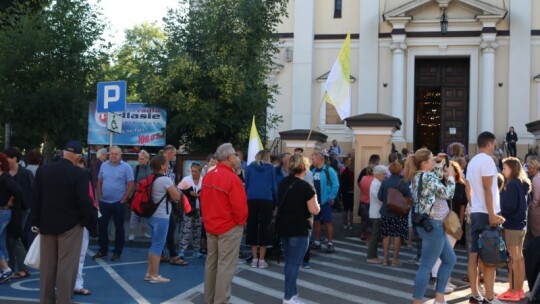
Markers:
point(294, 249)
point(159, 227)
point(434, 245)
point(5, 218)
point(116, 210)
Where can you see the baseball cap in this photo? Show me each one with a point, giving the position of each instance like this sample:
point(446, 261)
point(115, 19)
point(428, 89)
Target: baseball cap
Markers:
point(73, 146)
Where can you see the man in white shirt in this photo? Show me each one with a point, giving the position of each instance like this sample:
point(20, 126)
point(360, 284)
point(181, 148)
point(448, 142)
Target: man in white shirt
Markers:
point(483, 193)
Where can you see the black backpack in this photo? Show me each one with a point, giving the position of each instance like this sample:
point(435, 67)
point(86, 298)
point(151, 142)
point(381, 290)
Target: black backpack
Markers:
point(492, 248)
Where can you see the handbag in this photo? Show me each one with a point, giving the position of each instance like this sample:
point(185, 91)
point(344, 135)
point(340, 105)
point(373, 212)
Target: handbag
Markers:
point(397, 203)
point(32, 256)
point(452, 226)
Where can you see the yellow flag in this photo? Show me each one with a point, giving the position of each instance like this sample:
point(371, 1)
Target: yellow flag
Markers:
point(337, 85)
point(255, 144)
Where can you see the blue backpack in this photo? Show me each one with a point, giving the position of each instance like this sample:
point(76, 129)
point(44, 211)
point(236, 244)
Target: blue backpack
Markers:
point(492, 248)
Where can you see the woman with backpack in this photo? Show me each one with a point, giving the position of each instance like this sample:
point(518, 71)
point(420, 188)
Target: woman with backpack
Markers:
point(164, 192)
point(514, 209)
point(429, 210)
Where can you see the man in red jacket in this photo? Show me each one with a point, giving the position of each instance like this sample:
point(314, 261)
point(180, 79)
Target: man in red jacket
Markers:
point(224, 209)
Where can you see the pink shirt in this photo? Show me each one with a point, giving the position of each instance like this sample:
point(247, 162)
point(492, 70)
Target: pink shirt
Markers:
point(365, 183)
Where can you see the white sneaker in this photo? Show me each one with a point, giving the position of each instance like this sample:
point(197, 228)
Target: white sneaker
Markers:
point(293, 300)
point(131, 237)
point(493, 301)
point(263, 264)
point(146, 235)
point(255, 263)
point(451, 285)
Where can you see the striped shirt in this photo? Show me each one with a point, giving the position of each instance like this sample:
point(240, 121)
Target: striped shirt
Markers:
point(115, 180)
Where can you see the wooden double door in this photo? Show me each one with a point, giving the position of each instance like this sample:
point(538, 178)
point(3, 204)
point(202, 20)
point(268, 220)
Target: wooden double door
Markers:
point(441, 103)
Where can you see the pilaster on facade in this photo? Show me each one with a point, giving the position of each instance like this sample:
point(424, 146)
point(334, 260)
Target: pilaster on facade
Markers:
point(398, 47)
point(488, 45)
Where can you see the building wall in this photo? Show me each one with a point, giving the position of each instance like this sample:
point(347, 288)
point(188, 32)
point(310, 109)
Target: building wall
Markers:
point(327, 44)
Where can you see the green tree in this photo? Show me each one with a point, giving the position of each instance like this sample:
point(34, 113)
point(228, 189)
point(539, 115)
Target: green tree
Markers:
point(49, 64)
point(138, 59)
point(214, 78)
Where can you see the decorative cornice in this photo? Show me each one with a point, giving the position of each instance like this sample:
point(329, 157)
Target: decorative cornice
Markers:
point(302, 134)
point(443, 3)
point(374, 120)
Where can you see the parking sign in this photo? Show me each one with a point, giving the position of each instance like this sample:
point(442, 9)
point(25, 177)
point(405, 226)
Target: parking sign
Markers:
point(111, 96)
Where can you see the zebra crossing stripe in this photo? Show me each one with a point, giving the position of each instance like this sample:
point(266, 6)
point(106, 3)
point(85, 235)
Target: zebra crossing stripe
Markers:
point(316, 287)
point(366, 272)
point(356, 244)
point(262, 289)
point(401, 253)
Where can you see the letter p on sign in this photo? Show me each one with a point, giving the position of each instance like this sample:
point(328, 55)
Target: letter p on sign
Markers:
point(111, 96)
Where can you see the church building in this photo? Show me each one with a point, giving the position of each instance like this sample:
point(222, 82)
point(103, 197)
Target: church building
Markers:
point(448, 69)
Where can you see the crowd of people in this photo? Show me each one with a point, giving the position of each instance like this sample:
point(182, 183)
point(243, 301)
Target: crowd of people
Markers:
point(67, 204)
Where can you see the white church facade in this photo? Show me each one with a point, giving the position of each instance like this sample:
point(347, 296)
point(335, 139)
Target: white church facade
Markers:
point(448, 69)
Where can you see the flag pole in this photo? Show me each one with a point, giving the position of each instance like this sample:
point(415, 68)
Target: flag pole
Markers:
point(311, 125)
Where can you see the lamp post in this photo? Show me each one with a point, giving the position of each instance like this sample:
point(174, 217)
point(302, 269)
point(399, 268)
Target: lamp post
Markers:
point(444, 24)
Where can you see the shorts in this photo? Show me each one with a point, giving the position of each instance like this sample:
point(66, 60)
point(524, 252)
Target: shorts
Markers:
point(514, 237)
point(325, 214)
point(479, 221)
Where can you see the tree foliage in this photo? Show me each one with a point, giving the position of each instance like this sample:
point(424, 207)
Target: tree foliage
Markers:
point(214, 77)
point(138, 59)
point(49, 63)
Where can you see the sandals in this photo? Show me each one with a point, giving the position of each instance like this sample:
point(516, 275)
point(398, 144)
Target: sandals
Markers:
point(398, 264)
point(386, 263)
point(82, 291)
point(147, 277)
point(178, 262)
point(21, 275)
point(164, 258)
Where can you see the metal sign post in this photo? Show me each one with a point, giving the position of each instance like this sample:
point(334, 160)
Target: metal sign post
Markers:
point(114, 125)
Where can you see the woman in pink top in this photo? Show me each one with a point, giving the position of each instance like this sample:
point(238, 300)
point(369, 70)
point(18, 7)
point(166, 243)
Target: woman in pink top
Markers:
point(365, 183)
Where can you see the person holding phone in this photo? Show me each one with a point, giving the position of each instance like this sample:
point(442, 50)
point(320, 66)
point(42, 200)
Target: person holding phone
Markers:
point(430, 208)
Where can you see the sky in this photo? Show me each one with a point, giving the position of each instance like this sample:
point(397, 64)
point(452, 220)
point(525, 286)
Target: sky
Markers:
point(124, 14)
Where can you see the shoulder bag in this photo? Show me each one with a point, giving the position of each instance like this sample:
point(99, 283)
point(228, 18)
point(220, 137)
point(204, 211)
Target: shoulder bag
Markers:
point(397, 203)
point(452, 226)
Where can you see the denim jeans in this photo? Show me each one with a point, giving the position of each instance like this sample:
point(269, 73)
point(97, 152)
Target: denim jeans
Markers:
point(434, 245)
point(116, 210)
point(5, 218)
point(159, 227)
point(294, 249)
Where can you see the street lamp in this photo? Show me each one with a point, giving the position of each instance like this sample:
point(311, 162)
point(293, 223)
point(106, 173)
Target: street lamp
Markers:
point(444, 24)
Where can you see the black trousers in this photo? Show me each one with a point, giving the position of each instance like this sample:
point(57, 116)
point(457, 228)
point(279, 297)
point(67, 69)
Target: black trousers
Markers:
point(259, 217)
point(170, 235)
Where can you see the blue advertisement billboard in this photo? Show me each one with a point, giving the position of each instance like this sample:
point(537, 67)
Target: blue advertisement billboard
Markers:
point(141, 126)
